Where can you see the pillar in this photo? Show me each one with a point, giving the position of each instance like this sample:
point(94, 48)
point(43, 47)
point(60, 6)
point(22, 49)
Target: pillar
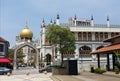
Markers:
point(108, 63)
point(113, 59)
point(98, 56)
point(15, 65)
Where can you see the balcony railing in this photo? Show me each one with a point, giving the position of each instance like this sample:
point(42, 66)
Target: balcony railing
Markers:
point(88, 25)
point(85, 55)
point(89, 40)
point(68, 55)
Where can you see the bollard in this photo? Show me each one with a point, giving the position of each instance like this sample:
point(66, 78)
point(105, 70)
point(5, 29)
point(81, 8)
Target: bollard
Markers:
point(28, 73)
point(8, 74)
point(45, 72)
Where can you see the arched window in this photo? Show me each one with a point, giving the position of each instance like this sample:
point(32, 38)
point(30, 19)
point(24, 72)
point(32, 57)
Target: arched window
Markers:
point(112, 34)
point(84, 36)
point(79, 36)
point(84, 50)
point(89, 36)
point(101, 36)
point(106, 35)
point(96, 36)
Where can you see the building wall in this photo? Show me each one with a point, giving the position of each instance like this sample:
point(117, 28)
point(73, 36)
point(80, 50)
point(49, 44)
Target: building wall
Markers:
point(86, 34)
point(3, 50)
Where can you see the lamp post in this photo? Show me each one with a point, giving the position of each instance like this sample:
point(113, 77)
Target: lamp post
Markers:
point(81, 60)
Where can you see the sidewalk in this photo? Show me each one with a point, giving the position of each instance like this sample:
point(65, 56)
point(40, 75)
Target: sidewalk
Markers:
point(84, 76)
point(24, 77)
point(87, 76)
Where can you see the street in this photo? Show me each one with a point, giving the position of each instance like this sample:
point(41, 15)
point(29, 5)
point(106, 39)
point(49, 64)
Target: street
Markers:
point(24, 77)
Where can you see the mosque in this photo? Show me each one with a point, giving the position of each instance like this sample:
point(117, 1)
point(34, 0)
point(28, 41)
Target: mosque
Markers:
point(88, 35)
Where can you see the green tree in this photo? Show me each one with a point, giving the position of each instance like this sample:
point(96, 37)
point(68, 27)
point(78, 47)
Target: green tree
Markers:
point(11, 53)
point(62, 36)
point(20, 54)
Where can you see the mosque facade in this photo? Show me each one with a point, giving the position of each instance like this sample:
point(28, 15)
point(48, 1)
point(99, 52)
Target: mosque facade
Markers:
point(88, 35)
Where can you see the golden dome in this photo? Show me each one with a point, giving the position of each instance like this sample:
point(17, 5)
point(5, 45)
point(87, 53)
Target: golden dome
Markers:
point(26, 33)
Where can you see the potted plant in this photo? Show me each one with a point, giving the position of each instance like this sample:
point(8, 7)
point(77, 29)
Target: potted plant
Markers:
point(116, 69)
point(100, 70)
point(92, 68)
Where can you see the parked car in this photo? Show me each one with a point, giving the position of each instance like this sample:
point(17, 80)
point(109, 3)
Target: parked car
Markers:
point(47, 68)
point(5, 70)
point(22, 65)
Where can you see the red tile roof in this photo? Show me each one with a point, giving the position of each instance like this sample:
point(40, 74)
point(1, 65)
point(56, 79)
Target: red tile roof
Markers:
point(107, 49)
point(3, 40)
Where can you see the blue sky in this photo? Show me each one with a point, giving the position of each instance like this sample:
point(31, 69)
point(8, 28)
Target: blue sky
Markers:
point(15, 13)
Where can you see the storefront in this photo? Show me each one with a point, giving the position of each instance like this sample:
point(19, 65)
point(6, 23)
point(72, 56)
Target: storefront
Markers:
point(5, 61)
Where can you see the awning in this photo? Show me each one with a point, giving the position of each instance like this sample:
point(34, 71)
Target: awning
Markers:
point(107, 49)
point(5, 60)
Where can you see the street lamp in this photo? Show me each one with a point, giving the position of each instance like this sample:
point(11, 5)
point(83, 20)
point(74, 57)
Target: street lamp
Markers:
point(81, 59)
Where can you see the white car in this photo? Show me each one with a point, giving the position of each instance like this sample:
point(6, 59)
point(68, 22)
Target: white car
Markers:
point(5, 70)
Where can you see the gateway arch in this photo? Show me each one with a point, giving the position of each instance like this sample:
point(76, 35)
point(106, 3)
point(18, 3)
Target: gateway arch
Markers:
point(21, 46)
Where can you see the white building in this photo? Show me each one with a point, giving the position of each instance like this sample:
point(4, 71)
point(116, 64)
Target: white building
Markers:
point(88, 37)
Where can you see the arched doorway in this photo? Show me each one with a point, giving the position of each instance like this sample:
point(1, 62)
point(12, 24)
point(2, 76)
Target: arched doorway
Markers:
point(48, 59)
point(21, 46)
point(84, 51)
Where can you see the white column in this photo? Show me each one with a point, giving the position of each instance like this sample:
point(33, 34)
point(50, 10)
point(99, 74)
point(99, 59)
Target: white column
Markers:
point(108, 23)
point(43, 36)
point(58, 52)
point(76, 35)
point(57, 22)
point(109, 35)
point(77, 52)
point(92, 22)
point(93, 49)
point(93, 35)
point(75, 23)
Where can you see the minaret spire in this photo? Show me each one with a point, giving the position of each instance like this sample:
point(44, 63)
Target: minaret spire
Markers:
point(51, 21)
point(107, 18)
point(43, 32)
point(108, 22)
point(43, 23)
point(75, 18)
point(58, 20)
point(91, 17)
point(54, 21)
point(26, 26)
point(92, 22)
point(58, 16)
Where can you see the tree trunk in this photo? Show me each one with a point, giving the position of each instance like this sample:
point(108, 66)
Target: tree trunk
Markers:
point(61, 60)
point(61, 55)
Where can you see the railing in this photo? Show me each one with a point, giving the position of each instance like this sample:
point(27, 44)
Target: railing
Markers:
point(68, 55)
point(88, 25)
point(89, 40)
point(85, 55)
